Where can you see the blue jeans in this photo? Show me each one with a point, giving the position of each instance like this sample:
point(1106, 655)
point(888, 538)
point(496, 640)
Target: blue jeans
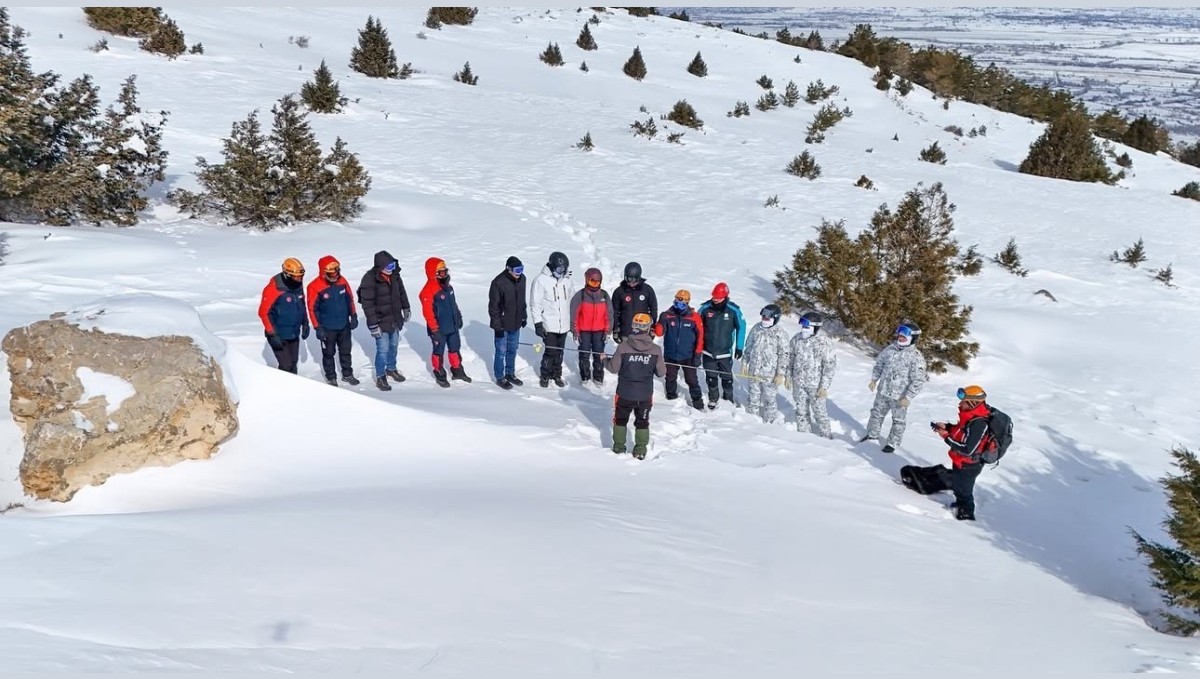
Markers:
point(386, 346)
point(505, 363)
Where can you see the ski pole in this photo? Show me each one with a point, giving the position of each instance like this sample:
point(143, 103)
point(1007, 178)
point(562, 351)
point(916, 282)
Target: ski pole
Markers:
point(538, 348)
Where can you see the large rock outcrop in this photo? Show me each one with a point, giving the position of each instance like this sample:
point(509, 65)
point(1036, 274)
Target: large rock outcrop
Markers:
point(93, 403)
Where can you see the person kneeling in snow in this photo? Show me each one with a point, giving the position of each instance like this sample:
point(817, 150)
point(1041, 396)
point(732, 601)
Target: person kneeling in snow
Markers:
point(968, 439)
point(637, 361)
point(443, 321)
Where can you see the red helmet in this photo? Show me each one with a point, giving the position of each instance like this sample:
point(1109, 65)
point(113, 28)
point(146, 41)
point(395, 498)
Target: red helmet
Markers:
point(720, 292)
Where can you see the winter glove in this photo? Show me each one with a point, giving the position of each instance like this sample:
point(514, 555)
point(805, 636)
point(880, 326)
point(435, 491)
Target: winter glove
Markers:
point(435, 333)
point(779, 380)
point(698, 360)
point(539, 329)
point(787, 383)
point(821, 393)
point(499, 333)
point(737, 354)
point(903, 402)
point(406, 314)
point(524, 322)
point(575, 337)
point(320, 334)
point(871, 385)
point(304, 331)
point(375, 331)
point(354, 322)
point(274, 341)
point(617, 338)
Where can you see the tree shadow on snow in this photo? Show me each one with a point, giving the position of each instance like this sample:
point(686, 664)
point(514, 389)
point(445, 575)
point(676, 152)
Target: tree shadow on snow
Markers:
point(1005, 165)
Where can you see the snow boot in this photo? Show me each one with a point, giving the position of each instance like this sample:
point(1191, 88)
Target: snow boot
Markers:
point(866, 438)
point(504, 384)
point(620, 437)
point(382, 383)
point(512, 379)
point(889, 449)
point(963, 515)
point(558, 382)
point(641, 437)
point(331, 381)
point(698, 404)
point(440, 377)
point(598, 379)
point(459, 374)
point(544, 382)
point(395, 375)
point(351, 380)
point(672, 397)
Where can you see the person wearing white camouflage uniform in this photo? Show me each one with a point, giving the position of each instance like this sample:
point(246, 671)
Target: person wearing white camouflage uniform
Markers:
point(766, 358)
point(898, 377)
point(810, 373)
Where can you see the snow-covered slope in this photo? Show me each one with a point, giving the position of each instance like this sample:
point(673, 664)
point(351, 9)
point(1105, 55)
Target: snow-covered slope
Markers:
point(472, 529)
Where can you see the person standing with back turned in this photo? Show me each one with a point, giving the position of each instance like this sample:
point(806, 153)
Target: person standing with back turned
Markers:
point(637, 361)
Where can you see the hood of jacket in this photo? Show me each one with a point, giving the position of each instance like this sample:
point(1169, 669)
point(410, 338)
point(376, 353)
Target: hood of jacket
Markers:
point(383, 258)
point(431, 266)
point(640, 342)
point(326, 261)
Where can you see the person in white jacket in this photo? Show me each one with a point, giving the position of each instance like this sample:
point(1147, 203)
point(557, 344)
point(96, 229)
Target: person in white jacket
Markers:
point(550, 310)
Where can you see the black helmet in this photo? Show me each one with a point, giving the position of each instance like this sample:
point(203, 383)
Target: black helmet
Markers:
point(773, 312)
point(558, 264)
point(909, 330)
point(633, 272)
point(812, 319)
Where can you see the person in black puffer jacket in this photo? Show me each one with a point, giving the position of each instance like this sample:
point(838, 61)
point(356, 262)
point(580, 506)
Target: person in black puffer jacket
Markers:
point(507, 314)
point(385, 308)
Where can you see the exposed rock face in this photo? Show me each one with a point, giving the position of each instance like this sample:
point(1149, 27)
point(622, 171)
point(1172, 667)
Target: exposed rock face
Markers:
point(92, 404)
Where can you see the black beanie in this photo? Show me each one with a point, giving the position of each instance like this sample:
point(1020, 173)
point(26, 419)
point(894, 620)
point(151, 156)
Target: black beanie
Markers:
point(512, 263)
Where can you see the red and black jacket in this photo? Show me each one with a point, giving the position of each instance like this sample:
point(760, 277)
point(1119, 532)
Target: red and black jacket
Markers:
point(969, 437)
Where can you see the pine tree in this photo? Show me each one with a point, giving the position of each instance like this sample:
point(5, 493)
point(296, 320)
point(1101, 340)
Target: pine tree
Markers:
point(276, 179)
point(406, 71)
point(739, 109)
point(198, 48)
point(698, 68)
point(166, 40)
point(1176, 567)
point(1189, 190)
point(1145, 134)
point(969, 262)
point(1124, 160)
point(864, 182)
point(586, 143)
point(1010, 260)
point(62, 161)
point(791, 94)
point(453, 16)
point(322, 94)
point(585, 41)
point(552, 55)
point(824, 119)
point(1189, 154)
point(814, 42)
point(933, 154)
point(903, 87)
point(767, 101)
point(131, 22)
point(465, 76)
point(1067, 150)
point(584, 67)
point(765, 82)
point(804, 165)
point(684, 114)
point(817, 91)
point(902, 266)
point(373, 56)
point(635, 67)
point(1164, 276)
point(1133, 255)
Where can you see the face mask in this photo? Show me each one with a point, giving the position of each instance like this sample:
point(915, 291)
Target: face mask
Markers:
point(806, 332)
point(680, 305)
point(560, 272)
point(903, 340)
point(766, 323)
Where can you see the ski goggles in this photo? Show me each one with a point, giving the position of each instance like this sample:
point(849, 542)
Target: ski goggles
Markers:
point(517, 270)
point(971, 394)
point(442, 273)
point(804, 323)
point(333, 269)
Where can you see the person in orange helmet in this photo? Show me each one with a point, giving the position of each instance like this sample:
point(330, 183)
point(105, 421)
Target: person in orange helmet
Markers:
point(968, 438)
point(283, 314)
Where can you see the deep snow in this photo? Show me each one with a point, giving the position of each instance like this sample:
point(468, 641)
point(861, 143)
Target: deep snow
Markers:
point(471, 529)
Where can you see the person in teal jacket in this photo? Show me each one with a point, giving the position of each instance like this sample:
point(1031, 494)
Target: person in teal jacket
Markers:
point(724, 340)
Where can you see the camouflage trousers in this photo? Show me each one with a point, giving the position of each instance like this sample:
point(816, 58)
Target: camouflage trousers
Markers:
point(883, 406)
point(811, 412)
point(762, 399)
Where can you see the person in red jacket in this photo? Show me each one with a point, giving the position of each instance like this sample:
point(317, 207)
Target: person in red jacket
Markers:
point(682, 331)
point(282, 312)
point(967, 438)
point(591, 317)
point(332, 312)
point(443, 320)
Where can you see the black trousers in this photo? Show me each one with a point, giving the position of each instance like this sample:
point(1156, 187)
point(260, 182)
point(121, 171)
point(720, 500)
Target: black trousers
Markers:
point(593, 363)
point(689, 376)
point(289, 356)
point(552, 359)
point(725, 374)
point(962, 482)
point(639, 409)
point(336, 342)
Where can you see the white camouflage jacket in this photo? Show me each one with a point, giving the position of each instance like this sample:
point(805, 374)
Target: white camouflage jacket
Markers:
point(812, 363)
point(766, 353)
point(900, 372)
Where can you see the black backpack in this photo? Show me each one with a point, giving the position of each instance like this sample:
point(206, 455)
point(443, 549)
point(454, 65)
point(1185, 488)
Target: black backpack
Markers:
point(1000, 429)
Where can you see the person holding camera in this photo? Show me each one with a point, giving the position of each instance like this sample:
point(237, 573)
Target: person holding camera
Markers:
point(967, 439)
